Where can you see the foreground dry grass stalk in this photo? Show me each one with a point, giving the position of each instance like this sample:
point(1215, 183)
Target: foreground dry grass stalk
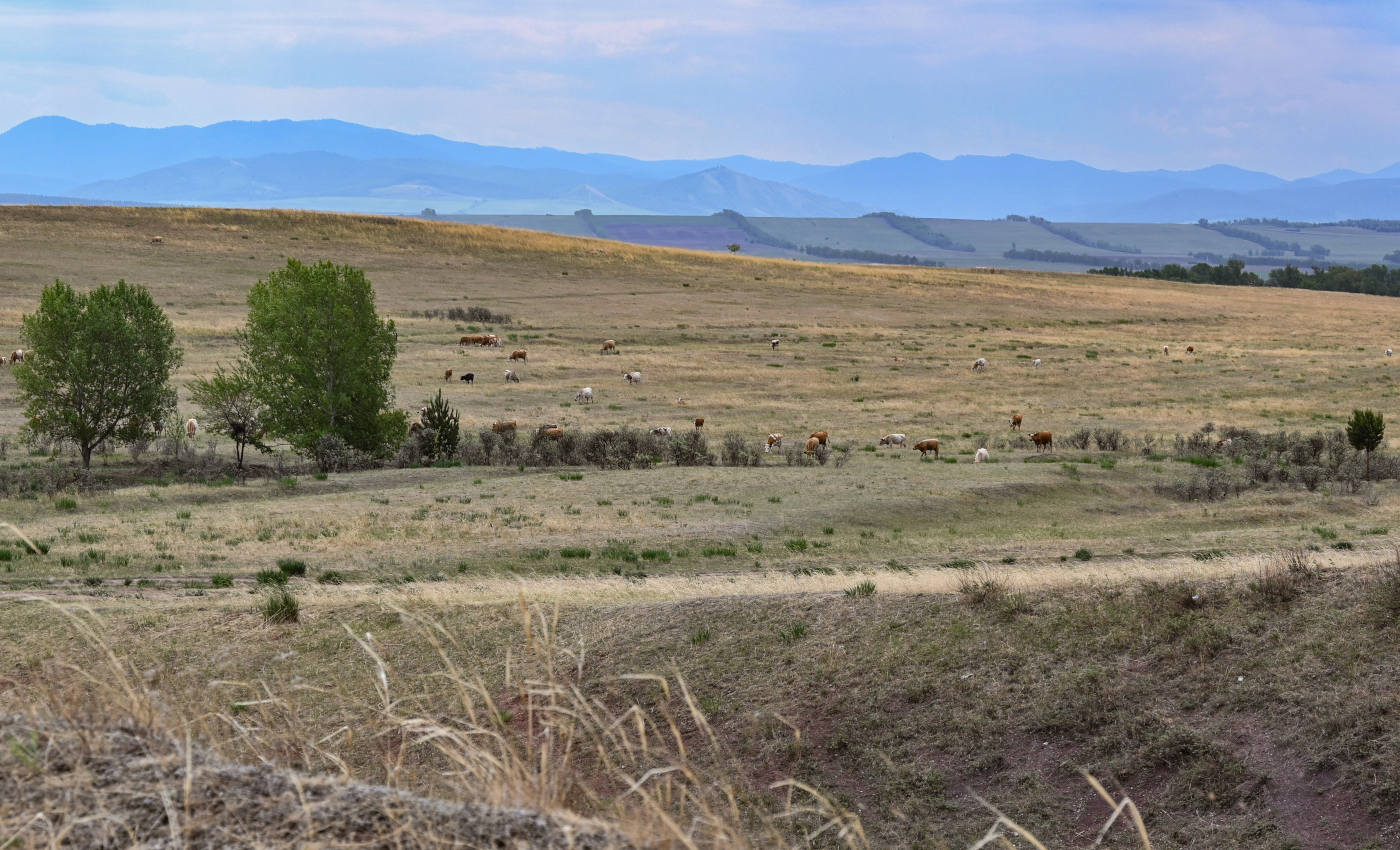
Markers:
point(553, 742)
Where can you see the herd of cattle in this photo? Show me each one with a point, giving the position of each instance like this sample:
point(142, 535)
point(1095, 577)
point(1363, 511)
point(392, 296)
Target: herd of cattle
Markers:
point(1043, 440)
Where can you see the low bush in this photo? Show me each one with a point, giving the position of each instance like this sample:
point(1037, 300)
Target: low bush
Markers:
point(281, 607)
point(292, 566)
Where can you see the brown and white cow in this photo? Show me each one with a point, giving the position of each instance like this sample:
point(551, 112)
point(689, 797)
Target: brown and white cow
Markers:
point(609, 347)
point(662, 431)
point(926, 446)
point(774, 441)
point(1043, 440)
point(191, 428)
point(632, 377)
point(511, 377)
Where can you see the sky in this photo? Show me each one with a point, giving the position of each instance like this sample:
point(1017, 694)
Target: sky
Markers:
point(1292, 87)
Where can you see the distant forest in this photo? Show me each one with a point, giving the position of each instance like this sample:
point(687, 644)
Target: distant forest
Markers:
point(1373, 280)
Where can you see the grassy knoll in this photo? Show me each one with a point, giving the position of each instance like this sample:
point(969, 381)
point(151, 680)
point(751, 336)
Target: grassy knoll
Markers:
point(1021, 619)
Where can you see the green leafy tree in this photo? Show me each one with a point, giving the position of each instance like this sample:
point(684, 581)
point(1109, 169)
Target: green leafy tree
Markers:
point(733, 247)
point(318, 357)
point(101, 366)
point(227, 406)
point(442, 420)
point(1365, 431)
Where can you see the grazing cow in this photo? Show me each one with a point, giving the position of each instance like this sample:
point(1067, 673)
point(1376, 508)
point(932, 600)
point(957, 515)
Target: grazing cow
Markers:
point(447, 376)
point(982, 455)
point(774, 342)
point(511, 377)
point(632, 377)
point(157, 240)
point(609, 346)
point(663, 431)
point(979, 364)
point(1224, 444)
point(466, 340)
point(1015, 421)
point(492, 341)
point(17, 356)
point(479, 339)
point(699, 422)
point(584, 396)
point(812, 443)
point(1043, 440)
point(517, 354)
point(1036, 362)
point(1190, 349)
point(191, 428)
point(893, 440)
point(1166, 350)
point(926, 446)
point(820, 435)
point(502, 427)
point(553, 432)
point(469, 378)
point(775, 441)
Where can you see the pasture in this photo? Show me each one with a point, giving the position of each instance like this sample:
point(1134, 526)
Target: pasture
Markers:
point(1006, 635)
point(1156, 243)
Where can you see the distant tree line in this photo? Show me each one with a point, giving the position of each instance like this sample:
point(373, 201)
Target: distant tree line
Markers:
point(591, 222)
point(919, 230)
point(1373, 280)
point(1041, 255)
point(754, 232)
point(870, 256)
point(1080, 239)
point(1268, 243)
point(1379, 225)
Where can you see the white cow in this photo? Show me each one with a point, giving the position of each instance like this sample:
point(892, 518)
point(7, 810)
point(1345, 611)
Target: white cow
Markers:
point(979, 364)
point(584, 396)
point(511, 377)
point(982, 456)
point(894, 440)
point(1388, 352)
point(663, 431)
point(632, 377)
point(1036, 362)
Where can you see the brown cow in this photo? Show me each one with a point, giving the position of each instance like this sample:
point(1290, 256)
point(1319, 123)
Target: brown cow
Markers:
point(476, 339)
point(1190, 349)
point(447, 376)
point(502, 427)
point(1043, 440)
point(926, 446)
point(812, 443)
point(609, 345)
point(191, 428)
point(518, 354)
point(1015, 421)
point(699, 422)
point(820, 435)
point(553, 433)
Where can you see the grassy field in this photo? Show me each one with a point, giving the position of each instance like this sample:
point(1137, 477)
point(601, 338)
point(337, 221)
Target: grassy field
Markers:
point(900, 633)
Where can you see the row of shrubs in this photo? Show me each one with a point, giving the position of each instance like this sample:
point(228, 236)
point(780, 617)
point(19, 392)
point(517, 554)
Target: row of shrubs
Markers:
point(605, 448)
